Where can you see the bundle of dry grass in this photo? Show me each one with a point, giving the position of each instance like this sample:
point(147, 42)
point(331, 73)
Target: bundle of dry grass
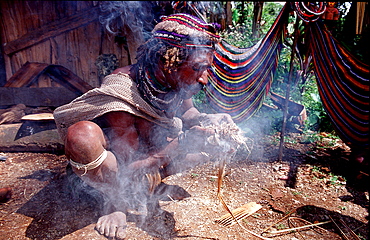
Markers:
point(227, 136)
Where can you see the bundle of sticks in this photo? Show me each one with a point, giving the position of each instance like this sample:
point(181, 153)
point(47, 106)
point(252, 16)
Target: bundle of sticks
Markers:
point(239, 213)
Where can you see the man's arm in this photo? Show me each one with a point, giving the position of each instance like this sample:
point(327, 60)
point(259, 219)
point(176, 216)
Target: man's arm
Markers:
point(124, 142)
point(189, 115)
point(192, 117)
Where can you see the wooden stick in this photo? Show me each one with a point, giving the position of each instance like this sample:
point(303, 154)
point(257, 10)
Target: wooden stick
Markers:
point(303, 220)
point(340, 230)
point(364, 173)
point(349, 229)
point(253, 233)
point(287, 93)
point(221, 172)
point(170, 198)
point(297, 228)
point(229, 218)
point(241, 212)
point(293, 224)
point(264, 230)
point(359, 227)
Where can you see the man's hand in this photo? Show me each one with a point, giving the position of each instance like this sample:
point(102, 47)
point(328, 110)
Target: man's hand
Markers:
point(215, 119)
point(192, 117)
point(216, 134)
point(195, 139)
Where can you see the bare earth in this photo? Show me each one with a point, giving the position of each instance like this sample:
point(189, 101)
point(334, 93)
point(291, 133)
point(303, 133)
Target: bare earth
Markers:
point(311, 185)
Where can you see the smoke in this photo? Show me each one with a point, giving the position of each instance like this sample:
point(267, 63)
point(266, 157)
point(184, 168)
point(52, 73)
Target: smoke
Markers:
point(141, 16)
point(207, 7)
point(135, 15)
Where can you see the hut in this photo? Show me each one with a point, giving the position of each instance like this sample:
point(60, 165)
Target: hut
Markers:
point(53, 51)
point(47, 46)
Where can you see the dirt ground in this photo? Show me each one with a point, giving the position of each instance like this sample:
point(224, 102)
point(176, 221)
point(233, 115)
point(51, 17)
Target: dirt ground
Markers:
point(312, 184)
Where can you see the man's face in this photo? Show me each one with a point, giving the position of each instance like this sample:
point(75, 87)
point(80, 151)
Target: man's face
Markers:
point(192, 75)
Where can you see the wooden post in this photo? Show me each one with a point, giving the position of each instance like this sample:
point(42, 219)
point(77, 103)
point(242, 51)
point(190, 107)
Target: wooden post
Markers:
point(287, 94)
point(257, 15)
point(229, 19)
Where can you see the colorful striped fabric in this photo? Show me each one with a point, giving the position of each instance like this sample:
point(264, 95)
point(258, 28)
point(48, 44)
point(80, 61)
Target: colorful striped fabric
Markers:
point(240, 78)
point(343, 84)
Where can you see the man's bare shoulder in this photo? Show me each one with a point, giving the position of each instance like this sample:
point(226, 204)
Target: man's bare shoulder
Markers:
point(120, 119)
point(125, 69)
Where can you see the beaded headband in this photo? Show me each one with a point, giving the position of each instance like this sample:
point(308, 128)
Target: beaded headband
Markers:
point(186, 31)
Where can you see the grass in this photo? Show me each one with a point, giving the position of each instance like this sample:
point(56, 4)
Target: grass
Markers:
point(193, 175)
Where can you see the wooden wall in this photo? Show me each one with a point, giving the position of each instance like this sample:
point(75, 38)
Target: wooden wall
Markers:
point(66, 33)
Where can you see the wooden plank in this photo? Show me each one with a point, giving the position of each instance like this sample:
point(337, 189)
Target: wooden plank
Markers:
point(68, 79)
point(44, 81)
point(51, 30)
point(294, 108)
point(109, 46)
point(92, 50)
point(11, 25)
point(30, 136)
point(26, 75)
point(38, 117)
point(134, 40)
point(40, 53)
point(78, 43)
point(36, 97)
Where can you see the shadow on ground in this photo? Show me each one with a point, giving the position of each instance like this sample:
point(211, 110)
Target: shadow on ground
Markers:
point(56, 212)
point(66, 205)
point(339, 223)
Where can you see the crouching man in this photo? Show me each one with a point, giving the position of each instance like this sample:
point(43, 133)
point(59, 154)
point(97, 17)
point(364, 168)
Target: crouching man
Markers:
point(141, 121)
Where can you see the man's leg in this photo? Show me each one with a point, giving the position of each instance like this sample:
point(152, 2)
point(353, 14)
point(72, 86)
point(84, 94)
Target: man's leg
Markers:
point(184, 162)
point(85, 145)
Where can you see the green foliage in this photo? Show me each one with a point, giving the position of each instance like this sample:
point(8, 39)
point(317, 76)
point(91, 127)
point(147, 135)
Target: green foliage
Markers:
point(322, 140)
point(336, 179)
point(281, 226)
point(200, 102)
point(240, 34)
point(357, 44)
point(317, 118)
point(193, 175)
